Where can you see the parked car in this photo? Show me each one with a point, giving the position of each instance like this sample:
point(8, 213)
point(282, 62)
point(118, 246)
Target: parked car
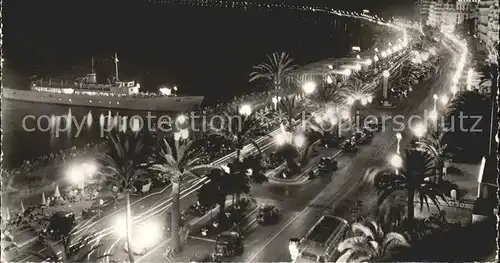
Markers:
point(88, 213)
point(290, 172)
point(60, 224)
point(331, 142)
point(327, 164)
point(348, 146)
point(229, 244)
point(368, 133)
point(204, 258)
point(359, 138)
point(199, 210)
point(267, 215)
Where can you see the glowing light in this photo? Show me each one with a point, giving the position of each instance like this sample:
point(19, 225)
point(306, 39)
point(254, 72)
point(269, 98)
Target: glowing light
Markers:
point(364, 101)
point(281, 139)
point(120, 225)
point(329, 80)
point(454, 89)
point(181, 119)
point(369, 98)
point(246, 109)
point(350, 101)
point(293, 248)
point(419, 130)
point(444, 99)
point(330, 66)
point(309, 87)
point(375, 58)
point(433, 115)
point(166, 91)
point(357, 67)
point(396, 161)
point(385, 74)
point(299, 140)
point(148, 235)
point(345, 114)
point(75, 174)
point(384, 54)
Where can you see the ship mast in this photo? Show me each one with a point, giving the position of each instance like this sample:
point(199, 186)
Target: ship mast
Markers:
point(116, 66)
point(93, 65)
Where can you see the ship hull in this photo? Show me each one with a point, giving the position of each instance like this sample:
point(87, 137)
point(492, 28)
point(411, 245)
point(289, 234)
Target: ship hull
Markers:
point(158, 104)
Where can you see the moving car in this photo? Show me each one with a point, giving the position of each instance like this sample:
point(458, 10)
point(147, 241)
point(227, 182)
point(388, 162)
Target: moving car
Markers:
point(320, 243)
point(229, 244)
point(268, 214)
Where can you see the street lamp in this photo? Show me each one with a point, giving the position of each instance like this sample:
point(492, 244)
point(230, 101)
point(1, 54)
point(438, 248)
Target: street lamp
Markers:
point(246, 109)
point(309, 87)
point(398, 137)
point(181, 119)
point(419, 130)
point(329, 80)
point(299, 140)
point(386, 75)
point(181, 135)
point(397, 162)
point(435, 97)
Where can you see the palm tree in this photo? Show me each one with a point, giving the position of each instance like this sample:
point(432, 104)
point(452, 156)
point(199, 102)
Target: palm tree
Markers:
point(239, 130)
point(122, 167)
point(370, 243)
point(412, 177)
point(432, 143)
point(275, 70)
point(176, 163)
point(326, 94)
point(216, 191)
point(74, 249)
point(355, 89)
point(290, 108)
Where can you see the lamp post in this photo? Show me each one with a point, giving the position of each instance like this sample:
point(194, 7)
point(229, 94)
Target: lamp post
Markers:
point(397, 162)
point(386, 75)
point(419, 130)
point(309, 87)
point(398, 137)
point(435, 97)
point(245, 110)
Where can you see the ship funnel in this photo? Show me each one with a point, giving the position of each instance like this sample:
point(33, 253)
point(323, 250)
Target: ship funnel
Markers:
point(91, 78)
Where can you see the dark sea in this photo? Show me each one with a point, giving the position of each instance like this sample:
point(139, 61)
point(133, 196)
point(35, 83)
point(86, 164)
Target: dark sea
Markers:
point(206, 51)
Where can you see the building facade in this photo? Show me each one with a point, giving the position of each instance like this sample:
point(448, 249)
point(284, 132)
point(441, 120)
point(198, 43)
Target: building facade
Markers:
point(423, 6)
point(493, 30)
point(447, 14)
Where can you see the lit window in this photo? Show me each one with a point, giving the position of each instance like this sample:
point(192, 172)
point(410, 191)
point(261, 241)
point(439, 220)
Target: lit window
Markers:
point(90, 101)
point(70, 100)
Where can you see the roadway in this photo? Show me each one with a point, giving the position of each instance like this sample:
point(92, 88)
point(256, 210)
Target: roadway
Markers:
point(302, 205)
point(289, 198)
point(156, 203)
